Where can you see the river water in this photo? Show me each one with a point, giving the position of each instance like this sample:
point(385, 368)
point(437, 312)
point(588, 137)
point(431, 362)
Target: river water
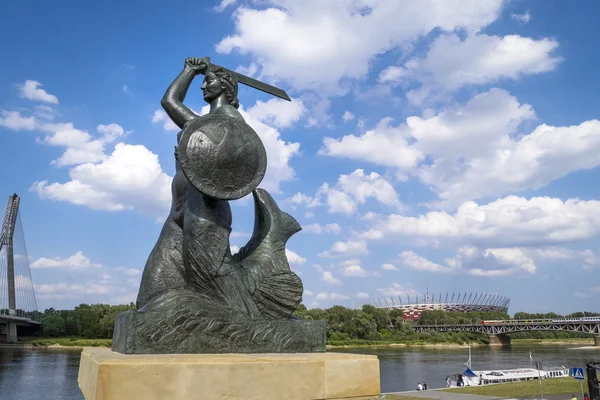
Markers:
point(52, 374)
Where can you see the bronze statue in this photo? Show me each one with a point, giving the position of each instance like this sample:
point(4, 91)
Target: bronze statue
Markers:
point(195, 296)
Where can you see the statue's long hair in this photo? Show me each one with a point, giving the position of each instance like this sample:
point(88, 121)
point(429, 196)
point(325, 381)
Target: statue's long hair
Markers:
point(229, 81)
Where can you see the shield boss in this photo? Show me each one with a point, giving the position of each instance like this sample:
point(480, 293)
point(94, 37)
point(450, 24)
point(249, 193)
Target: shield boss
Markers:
point(222, 156)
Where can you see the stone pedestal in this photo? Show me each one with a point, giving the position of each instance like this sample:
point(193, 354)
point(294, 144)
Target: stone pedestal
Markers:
point(597, 341)
point(104, 374)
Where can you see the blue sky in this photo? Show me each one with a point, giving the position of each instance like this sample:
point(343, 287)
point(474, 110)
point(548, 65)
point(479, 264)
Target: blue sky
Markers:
point(449, 145)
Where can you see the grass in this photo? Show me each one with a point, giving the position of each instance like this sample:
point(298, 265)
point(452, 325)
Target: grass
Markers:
point(526, 389)
point(68, 342)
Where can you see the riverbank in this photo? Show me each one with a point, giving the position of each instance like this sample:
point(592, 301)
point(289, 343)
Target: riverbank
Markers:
point(518, 342)
point(391, 345)
point(578, 341)
point(62, 343)
point(81, 343)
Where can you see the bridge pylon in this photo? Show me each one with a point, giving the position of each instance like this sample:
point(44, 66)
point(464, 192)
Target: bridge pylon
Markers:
point(499, 340)
point(18, 306)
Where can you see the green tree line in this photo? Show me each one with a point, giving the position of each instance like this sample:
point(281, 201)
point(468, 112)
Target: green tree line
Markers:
point(345, 326)
point(95, 321)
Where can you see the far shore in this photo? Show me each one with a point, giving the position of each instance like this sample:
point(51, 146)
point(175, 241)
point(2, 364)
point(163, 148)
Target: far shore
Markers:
point(556, 342)
point(78, 344)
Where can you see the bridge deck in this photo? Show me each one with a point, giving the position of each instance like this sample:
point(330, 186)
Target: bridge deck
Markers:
point(4, 319)
point(592, 327)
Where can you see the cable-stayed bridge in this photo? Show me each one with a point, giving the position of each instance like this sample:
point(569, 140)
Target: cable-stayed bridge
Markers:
point(18, 307)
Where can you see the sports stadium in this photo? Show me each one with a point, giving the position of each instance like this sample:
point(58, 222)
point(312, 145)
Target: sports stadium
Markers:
point(467, 302)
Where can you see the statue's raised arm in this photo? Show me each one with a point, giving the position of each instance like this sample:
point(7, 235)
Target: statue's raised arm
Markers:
point(172, 101)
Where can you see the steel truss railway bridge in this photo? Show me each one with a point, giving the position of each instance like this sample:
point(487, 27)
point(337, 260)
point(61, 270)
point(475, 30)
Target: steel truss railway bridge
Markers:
point(498, 333)
point(18, 307)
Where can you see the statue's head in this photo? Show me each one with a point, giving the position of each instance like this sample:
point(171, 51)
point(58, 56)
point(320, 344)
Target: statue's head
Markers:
point(218, 81)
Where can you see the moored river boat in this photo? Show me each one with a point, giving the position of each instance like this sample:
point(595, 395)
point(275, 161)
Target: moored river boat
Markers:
point(489, 377)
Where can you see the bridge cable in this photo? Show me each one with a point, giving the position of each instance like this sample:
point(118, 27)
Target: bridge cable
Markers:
point(3, 282)
point(31, 301)
point(20, 275)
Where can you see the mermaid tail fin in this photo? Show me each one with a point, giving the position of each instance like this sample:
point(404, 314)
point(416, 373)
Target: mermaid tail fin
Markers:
point(276, 290)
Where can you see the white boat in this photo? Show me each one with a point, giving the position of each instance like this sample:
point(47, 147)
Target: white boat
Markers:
point(488, 377)
point(476, 378)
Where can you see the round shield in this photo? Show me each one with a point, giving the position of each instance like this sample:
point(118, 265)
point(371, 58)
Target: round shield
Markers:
point(222, 156)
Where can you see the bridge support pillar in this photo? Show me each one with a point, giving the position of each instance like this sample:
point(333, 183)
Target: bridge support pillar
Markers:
point(499, 340)
point(597, 341)
point(11, 333)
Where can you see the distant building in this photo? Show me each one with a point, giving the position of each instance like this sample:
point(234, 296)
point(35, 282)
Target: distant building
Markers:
point(467, 302)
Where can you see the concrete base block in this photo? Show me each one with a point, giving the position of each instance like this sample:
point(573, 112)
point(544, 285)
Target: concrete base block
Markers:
point(597, 341)
point(104, 374)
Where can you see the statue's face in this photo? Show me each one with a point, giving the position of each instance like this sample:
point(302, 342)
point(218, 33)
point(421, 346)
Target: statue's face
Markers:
point(211, 87)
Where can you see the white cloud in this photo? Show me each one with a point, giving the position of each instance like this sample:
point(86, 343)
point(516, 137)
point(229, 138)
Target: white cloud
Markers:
point(45, 112)
point(302, 199)
point(581, 295)
point(14, 121)
point(452, 63)
point(77, 261)
point(331, 296)
point(161, 117)
point(294, 258)
point(476, 150)
point(313, 44)
point(81, 146)
point(532, 162)
point(362, 295)
point(223, 5)
point(397, 290)
point(130, 271)
point(346, 249)
point(491, 262)
point(389, 267)
point(318, 229)
point(588, 258)
point(130, 178)
point(328, 278)
point(105, 287)
point(308, 293)
point(350, 191)
point(348, 116)
point(234, 248)
point(385, 145)
point(506, 222)
point(414, 261)
point(524, 18)
point(278, 113)
point(236, 234)
point(31, 90)
point(355, 270)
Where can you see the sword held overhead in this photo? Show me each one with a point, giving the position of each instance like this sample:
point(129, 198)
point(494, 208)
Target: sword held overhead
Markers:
point(253, 83)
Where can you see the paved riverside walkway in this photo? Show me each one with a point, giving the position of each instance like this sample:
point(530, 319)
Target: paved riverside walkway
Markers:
point(444, 395)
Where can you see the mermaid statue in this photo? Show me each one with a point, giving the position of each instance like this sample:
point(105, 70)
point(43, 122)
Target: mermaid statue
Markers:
point(195, 295)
